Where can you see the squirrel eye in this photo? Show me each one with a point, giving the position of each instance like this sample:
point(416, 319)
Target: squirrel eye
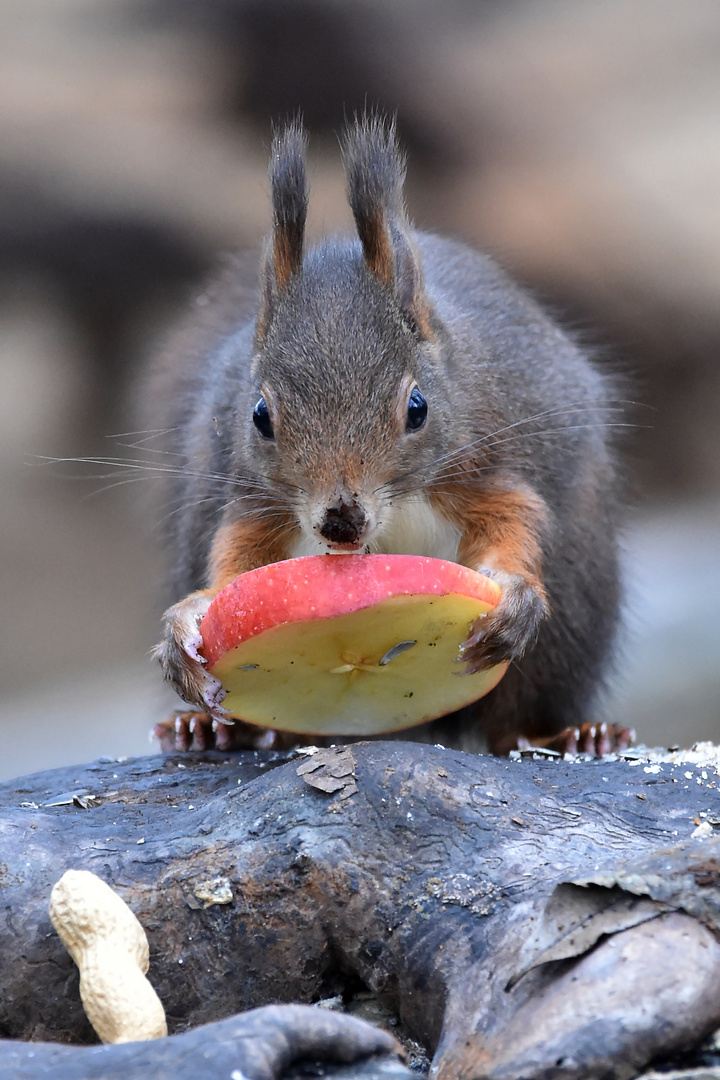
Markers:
point(416, 411)
point(262, 421)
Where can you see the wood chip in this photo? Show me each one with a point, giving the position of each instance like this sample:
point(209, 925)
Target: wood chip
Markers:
point(330, 771)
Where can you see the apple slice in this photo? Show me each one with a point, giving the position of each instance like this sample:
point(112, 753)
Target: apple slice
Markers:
point(347, 644)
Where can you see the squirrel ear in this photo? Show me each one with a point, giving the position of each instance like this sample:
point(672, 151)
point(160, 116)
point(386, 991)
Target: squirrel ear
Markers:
point(375, 170)
point(283, 257)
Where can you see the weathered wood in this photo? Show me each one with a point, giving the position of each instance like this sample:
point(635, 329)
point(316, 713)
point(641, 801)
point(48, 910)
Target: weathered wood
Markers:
point(442, 881)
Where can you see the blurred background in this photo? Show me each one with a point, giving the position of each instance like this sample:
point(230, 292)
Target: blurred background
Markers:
point(576, 140)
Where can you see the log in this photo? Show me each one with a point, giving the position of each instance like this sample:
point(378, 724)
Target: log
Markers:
point(523, 916)
point(259, 1045)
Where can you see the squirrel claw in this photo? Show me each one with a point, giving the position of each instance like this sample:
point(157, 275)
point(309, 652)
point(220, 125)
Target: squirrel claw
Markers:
point(198, 731)
point(192, 647)
point(595, 740)
point(508, 631)
point(181, 658)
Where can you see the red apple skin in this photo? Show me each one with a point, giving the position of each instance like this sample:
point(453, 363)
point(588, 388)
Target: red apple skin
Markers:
point(322, 586)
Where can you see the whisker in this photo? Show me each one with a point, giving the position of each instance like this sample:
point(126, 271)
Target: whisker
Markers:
point(282, 527)
point(518, 436)
point(106, 487)
point(151, 433)
point(154, 470)
point(545, 414)
point(132, 463)
point(190, 505)
point(558, 431)
point(148, 436)
point(456, 460)
point(260, 512)
point(152, 450)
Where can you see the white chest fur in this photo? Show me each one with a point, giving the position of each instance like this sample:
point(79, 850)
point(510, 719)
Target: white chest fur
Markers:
point(414, 527)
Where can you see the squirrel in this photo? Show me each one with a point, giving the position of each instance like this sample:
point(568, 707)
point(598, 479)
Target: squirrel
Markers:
point(396, 392)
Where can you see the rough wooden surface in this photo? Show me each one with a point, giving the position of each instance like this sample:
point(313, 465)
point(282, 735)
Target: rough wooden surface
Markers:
point(521, 917)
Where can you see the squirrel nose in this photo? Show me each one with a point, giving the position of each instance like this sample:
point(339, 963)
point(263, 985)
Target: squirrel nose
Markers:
point(343, 524)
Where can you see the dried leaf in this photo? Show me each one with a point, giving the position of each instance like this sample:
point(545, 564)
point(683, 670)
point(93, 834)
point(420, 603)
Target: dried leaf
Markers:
point(576, 917)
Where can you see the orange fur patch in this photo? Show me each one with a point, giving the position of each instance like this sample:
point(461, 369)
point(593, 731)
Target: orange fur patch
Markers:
point(375, 239)
point(501, 528)
point(244, 545)
point(285, 262)
point(422, 319)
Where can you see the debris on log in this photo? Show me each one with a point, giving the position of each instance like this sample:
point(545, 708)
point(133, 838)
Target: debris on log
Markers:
point(525, 917)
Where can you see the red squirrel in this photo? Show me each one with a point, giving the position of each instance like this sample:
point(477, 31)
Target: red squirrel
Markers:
point(395, 392)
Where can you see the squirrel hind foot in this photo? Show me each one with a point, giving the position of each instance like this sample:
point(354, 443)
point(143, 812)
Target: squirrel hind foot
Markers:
point(195, 732)
point(594, 740)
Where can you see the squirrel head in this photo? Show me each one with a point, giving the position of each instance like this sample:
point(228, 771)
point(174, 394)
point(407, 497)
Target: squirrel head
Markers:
point(346, 353)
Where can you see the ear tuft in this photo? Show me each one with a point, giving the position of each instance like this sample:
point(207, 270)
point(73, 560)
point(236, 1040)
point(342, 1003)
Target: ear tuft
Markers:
point(375, 169)
point(289, 199)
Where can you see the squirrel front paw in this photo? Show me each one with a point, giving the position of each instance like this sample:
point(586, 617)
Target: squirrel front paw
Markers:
point(510, 629)
point(182, 661)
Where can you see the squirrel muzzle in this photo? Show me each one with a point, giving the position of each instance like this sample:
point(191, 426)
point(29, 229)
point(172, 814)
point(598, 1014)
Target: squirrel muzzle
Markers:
point(344, 524)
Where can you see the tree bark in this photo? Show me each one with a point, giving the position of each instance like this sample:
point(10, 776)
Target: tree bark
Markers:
point(521, 917)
